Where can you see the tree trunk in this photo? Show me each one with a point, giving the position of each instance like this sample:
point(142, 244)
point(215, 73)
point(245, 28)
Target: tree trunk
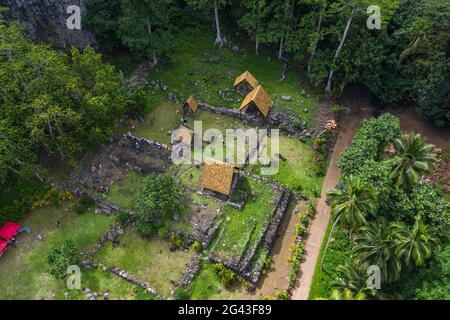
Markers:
point(149, 29)
point(338, 51)
point(257, 45)
point(328, 242)
point(319, 28)
point(219, 39)
point(280, 50)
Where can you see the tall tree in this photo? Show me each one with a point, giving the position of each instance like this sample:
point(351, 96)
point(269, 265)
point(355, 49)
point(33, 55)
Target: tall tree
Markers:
point(351, 203)
point(145, 27)
point(280, 23)
point(375, 246)
point(317, 36)
point(215, 6)
point(352, 9)
point(414, 244)
point(254, 20)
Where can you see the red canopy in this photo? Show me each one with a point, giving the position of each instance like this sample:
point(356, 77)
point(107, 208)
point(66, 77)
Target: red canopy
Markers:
point(9, 230)
point(3, 246)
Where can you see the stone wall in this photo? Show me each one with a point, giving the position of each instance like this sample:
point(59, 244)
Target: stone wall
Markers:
point(246, 266)
point(278, 119)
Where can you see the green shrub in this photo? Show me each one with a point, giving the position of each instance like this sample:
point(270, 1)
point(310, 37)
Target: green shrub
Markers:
point(267, 263)
point(60, 257)
point(79, 208)
point(162, 232)
point(282, 295)
point(338, 110)
point(369, 142)
point(87, 201)
point(226, 275)
point(197, 246)
point(122, 217)
point(177, 241)
point(83, 204)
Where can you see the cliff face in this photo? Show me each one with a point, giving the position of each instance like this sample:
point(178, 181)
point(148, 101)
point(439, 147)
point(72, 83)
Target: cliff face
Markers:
point(45, 21)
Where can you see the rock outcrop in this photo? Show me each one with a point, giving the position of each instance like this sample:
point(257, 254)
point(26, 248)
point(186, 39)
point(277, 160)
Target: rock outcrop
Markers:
point(45, 21)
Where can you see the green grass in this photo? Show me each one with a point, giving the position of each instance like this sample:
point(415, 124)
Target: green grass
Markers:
point(298, 171)
point(166, 119)
point(102, 281)
point(123, 193)
point(242, 228)
point(190, 176)
point(187, 74)
point(23, 273)
point(147, 259)
point(340, 251)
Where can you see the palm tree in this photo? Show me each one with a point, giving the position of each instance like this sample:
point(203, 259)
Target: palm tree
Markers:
point(414, 244)
point(352, 203)
point(375, 246)
point(354, 278)
point(413, 159)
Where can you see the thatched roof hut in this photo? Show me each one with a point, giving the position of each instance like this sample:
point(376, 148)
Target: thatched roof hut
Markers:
point(218, 177)
point(191, 104)
point(260, 99)
point(247, 76)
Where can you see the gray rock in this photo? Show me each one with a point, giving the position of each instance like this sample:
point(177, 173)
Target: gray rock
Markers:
point(286, 98)
point(45, 21)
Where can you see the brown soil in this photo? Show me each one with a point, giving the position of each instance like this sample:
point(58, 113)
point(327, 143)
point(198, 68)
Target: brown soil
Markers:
point(277, 277)
point(411, 121)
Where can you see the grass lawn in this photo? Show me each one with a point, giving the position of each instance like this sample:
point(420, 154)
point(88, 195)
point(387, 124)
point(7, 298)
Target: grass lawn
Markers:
point(100, 281)
point(241, 229)
point(147, 259)
point(190, 176)
point(298, 171)
point(166, 119)
point(23, 273)
point(340, 251)
point(191, 71)
point(124, 192)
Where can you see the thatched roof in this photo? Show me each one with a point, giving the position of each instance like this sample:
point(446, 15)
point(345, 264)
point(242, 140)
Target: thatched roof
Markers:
point(261, 99)
point(218, 176)
point(192, 104)
point(247, 76)
point(184, 135)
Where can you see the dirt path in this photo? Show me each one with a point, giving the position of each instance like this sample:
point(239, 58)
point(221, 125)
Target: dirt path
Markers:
point(277, 279)
point(319, 224)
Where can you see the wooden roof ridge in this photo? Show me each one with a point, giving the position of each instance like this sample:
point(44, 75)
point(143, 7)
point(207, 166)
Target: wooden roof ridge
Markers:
point(261, 99)
point(247, 76)
point(218, 176)
point(192, 103)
